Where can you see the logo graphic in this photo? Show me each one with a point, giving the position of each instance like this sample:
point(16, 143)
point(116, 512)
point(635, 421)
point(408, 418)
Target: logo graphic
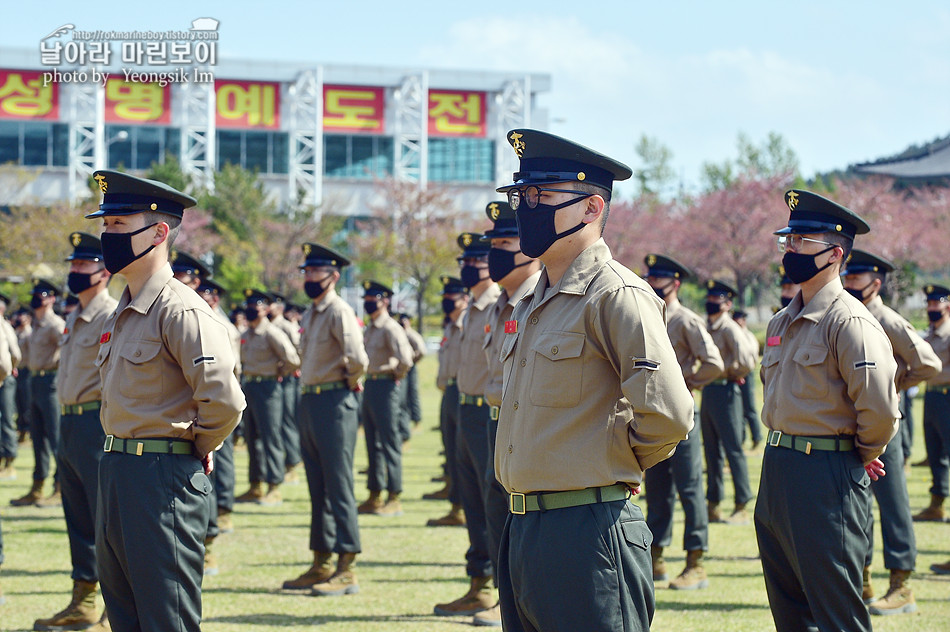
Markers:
point(792, 199)
point(76, 239)
point(493, 210)
point(101, 179)
point(517, 144)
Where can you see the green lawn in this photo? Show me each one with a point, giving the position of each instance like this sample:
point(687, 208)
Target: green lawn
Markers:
point(406, 568)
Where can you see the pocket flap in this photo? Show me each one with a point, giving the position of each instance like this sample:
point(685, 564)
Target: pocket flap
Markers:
point(771, 356)
point(810, 355)
point(560, 345)
point(860, 476)
point(507, 346)
point(141, 351)
point(637, 533)
point(200, 482)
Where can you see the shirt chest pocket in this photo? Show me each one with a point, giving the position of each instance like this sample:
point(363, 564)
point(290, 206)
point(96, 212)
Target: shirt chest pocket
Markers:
point(809, 375)
point(140, 370)
point(557, 373)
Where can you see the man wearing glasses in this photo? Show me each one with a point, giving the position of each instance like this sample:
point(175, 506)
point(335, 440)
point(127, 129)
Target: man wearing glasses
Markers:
point(593, 396)
point(830, 407)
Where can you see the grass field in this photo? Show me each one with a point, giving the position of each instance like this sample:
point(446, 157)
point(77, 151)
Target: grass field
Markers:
point(406, 568)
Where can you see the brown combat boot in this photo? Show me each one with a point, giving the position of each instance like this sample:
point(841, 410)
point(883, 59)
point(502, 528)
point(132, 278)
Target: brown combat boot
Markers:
point(739, 516)
point(455, 518)
point(371, 505)
point(252, 495)
point(941, 569)
point(7, 471)
point(30, 498)
point(78, 615)
point(291, 475)
point(693, 576)
point(478, 598)
point(211, 562)
point(659, 564)
point(53, 500)
point(712, 510)
point(102, 625)
point(899, 598)
point(442, 494)
point(272, 497)
point(393, 506)
point(342, 582)
point(867, 590)
point(933, 513)
point(320, 571)
point(490, 618)
point(924, 463)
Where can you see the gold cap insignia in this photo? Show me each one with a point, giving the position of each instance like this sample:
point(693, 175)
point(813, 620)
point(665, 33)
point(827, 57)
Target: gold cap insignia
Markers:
point(581, 176)
point(710, 284)
point(493, 210)
point(101, 179)
point(467, 239)
point(516, 143)
point(651, 260)
point(838, 228)
point(154, 206)
point(367, 285)
point(306, 249)
point(76, 238)
point(445, 280)
point(174, 257)
point(792, 199)
point(248, 292)
point(929, 289)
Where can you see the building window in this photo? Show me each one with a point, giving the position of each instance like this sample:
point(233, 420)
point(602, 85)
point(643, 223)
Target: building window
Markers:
point(34, 144)
point(140, 146)
point(357, 156)
point(461, 160)
point(263, 152)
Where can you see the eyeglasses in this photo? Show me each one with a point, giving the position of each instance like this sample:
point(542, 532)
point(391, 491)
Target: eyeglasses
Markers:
point(796, 242)
point(531, 196)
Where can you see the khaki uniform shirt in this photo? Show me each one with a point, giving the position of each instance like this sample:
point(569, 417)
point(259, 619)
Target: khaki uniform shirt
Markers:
point(473, 367)
point(267, 351)
point(593, 395)
point(500, 312)
point(166, 367)
point(78, 379)
point(293, 333)
point(387, 347)
point(450, 352)
point(331, 345)
point(916, 360)
point(23, 340)
point(939, 339)
point(738, 354)
point(9, 349)
point(233, 334)
point(828, 369)
point(418, 344)
point(44, 342)
point(696, 353)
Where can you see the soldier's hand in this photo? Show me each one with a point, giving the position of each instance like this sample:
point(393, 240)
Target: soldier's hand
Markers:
point(634, 490)
point(358, 388)
point(875, 469)
point(208, 463)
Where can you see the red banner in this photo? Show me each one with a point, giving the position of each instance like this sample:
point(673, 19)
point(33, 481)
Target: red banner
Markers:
point(353, 109)
point(457, 113)
point(247, 104)
point(136, 103)
point(23, 96)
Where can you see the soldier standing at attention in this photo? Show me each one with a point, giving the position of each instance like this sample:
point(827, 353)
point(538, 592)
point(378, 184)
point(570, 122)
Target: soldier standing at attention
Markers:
point(23, 326)
point(471, 462)
point(390, 357)
point(43, 362)
point(721, 408)
point(681, 474)
point(169, 399)
point(81, 435)
point(10, 358)
point(332, 362)
point(455, 299)
point(412, 405)
point(864, 277)
point(290, 383)
point(750, 413)
point(830, 408)
point(266, 354)
point(593, 396)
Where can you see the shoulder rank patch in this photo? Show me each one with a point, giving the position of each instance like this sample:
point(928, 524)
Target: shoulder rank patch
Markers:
point(773, 341)
point(105, 337)
point(204, 360)
point(511, 326)
point(865, 364)
point(645, 363)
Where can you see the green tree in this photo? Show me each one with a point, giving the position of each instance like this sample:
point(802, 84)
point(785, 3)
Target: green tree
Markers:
point(654, 173)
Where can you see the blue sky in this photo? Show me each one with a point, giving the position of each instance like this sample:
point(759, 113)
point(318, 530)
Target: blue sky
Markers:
point(843, 82)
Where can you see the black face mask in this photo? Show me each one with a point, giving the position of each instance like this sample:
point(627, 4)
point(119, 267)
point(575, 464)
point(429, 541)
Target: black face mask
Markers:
point(448, 305)
point(471, 275)
point(36, 302)
point(661, 291)
point(934, 316)
point(117, 249)
point(252, 314)
point(858, 294)
point(370, 307)
point(801, 268)
point(536, 227)
point(315, 289)
point(79, 281)
point(713, 308)
point(501, 263)
point(786, 300)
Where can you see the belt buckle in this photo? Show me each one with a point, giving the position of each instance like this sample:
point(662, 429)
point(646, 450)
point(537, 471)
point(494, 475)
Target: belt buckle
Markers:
point(479, 401)
point(775, 438)
point(107, 446)
point(516, 503)
point(316, 390)
point(493, 413)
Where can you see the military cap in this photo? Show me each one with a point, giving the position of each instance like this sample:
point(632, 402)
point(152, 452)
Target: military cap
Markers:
point(71, 299)
point(5, 298)
point(863, 261)
point(811, 213)
point(124, 194)
point(209, 285)
point(185, 263)
point(372, 288)
point(785, 279)
point(453, 285)
point(86, 247)
point(739, 314)
point(253, 295)
point(317, 255)
point(278, 298)
point(936, 292)
point(500, 213)
point(547, 159)
point(45, 286)
point(663, 266)
point(719, 288)
point(473, 245)
point(294, 307)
